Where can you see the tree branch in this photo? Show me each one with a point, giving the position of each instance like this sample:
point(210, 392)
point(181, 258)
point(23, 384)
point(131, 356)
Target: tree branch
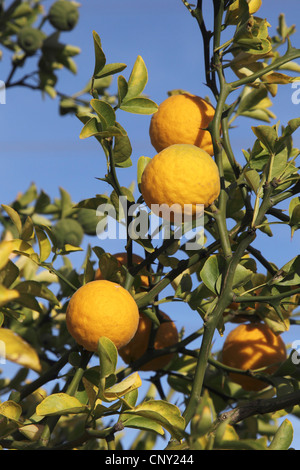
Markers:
point(260, 406)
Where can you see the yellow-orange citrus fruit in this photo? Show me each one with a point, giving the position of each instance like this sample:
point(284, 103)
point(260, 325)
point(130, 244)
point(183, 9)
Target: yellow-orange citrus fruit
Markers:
point(253, 346)
point(122, 259)
point(165, 335)
point(182, 119)
point(182, 175)
point(102, 308)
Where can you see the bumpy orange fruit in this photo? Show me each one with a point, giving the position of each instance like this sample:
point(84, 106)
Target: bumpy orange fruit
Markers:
point(182, 119)
point(102, 308)
point(166, 335)
point(253, 346)
point(182, 176)
point(122, 259)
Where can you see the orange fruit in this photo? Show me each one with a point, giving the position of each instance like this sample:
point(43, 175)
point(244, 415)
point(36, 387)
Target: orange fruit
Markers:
point(253, 346)
point(166, 335)
point(182, 119)
point(122, 259)
point(102, 308)
point(181, 177)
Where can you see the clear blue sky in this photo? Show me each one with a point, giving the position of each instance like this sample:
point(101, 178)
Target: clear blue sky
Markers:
point(37, 145)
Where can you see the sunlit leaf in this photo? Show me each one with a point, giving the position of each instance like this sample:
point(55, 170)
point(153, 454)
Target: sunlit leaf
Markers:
point(120, 389)
point(7, 295)
point(10, 410)
point(139, 105)
point(108, 356)
point(19, 351)
point(163, 413)
point(44, 244)
point(60, 404)
point(14, 216)
point(137, 80)
point(283, 437)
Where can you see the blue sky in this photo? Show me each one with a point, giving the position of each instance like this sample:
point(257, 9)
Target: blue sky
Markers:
point(37, 145)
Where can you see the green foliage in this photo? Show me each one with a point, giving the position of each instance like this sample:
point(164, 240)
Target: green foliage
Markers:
point(87, 405)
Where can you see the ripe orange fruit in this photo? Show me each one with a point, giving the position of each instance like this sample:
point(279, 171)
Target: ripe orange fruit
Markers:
point(182, 119)
point(252, 346)
point(122, 259)
point(181, 176)
point(102, 308)
point(166, 335)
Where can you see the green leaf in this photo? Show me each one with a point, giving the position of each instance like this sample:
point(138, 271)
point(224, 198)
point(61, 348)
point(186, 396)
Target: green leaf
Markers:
point(44, 244)
point(163, 413)
point(141, 165)
point(253, 179)
point(60, 404)
point(122, 149)
point(139, 422)
point(92, 127)
point(137, 80)
point(139, 105)
point(122, 88)
point(211, 272)
point(14, 216)
point(94, 202)
point(111, 131)
point(36, 289)
point(283, 437)
point(100, 59)
point(241, 276)
point(8, 274)
point(267, 136)
point(105, 112)
point(27, 229)
point(66, 204)
point(108, 356)
point(19, 351)
point(111, 69)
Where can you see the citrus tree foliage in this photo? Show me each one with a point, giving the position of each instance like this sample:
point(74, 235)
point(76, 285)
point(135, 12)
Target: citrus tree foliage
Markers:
point(86, 406)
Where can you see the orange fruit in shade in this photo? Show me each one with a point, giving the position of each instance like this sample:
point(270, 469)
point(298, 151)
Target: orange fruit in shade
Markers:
point(253, 346)
point(166, 335)
point(122, 259)
point(182, 119)
point(183, 177)
point(102, 308)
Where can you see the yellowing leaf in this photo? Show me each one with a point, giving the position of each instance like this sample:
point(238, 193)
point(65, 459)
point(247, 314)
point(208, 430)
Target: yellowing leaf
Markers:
point(6, 249)
point(14, 216)
point(238, 9)
point(21, 246)
point(7, 295)
point(10, 410)
point(127, 385)
point(70, 248)
point(33, 432)
point(19, 351)
point(60, 404)
point(44, 244)
point(279, 78)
